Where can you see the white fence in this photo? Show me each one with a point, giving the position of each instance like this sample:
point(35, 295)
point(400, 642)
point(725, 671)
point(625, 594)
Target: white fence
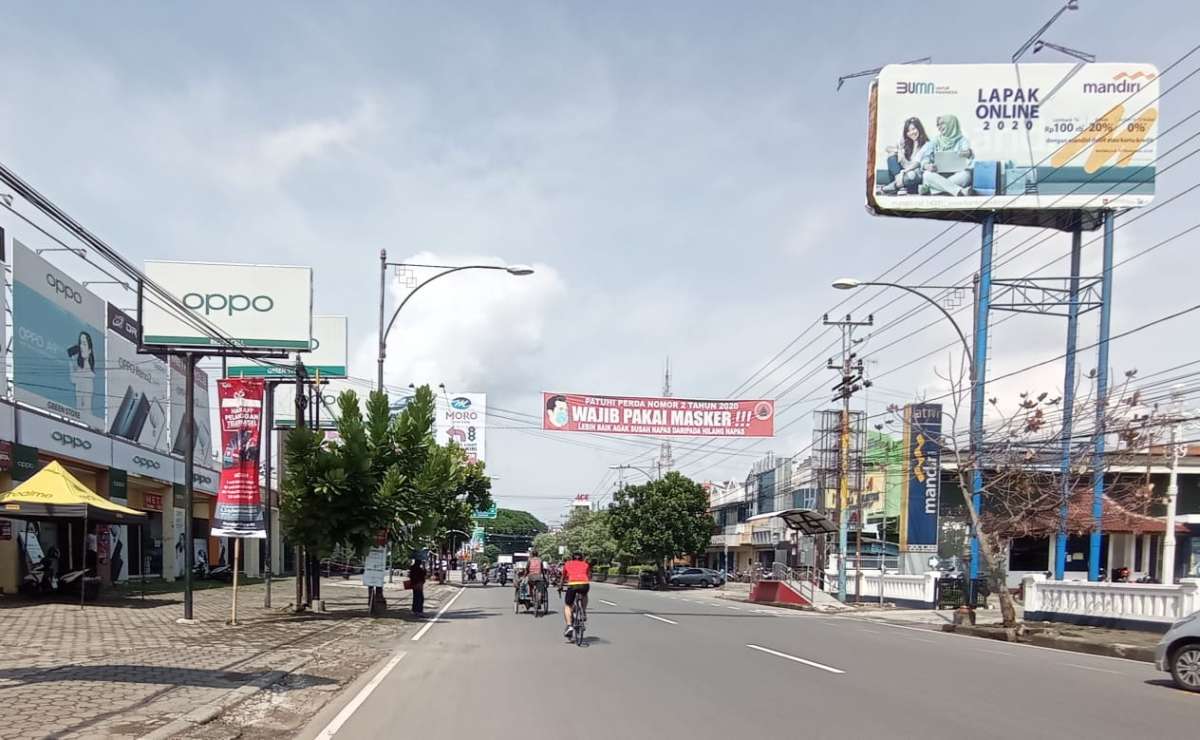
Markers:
point(904, 590)
point(1123, 604)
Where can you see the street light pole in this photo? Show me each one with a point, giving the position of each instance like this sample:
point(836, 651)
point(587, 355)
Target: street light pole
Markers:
point(634, 467)
point(516, 270)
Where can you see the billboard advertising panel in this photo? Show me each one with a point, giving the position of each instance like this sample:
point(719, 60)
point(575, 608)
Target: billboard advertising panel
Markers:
point(572, 412)
point(202, 424)
point(239, 510)
point(4, 252)
point(462, 418)
point(958, 137)
point(257, 306)
point(285, 402)
point(58, 341)
point(922, 472)
point(327, 356)
point(138, 385)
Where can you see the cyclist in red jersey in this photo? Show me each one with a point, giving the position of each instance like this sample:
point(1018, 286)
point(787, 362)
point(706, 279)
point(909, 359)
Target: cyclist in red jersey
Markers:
point(577, 579)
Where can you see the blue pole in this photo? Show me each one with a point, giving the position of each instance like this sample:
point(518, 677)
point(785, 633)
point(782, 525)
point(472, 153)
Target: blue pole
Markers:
point(1101, 402)
point(978, 376)
point(1068, 404)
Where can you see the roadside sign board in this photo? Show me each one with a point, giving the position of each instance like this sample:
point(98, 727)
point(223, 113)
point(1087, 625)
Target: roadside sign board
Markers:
point(327, 356)
point(486, 514)
point(374, 566)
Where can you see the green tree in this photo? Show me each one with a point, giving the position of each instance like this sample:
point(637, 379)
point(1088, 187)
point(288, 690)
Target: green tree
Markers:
point(662, 519)
point(547, 544)
point(512, 530)
point(590, 533)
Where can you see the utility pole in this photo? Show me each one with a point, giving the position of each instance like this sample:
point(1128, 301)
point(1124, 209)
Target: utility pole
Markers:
point(851, 370)
point(1178, 450)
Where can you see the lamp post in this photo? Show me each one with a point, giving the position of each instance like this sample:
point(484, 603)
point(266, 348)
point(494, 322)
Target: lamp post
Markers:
point(976, 393)
point(517, 270)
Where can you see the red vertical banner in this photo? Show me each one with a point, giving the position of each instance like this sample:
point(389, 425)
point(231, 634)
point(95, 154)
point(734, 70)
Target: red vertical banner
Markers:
point(239, 500)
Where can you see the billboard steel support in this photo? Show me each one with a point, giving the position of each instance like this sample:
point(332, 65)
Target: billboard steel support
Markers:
point(189, 461)
point(979, 374)
point(1068, 405)
point(1101, 402)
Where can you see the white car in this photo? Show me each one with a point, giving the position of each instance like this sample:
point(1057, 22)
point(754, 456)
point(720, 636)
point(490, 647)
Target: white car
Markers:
point(1178, 653)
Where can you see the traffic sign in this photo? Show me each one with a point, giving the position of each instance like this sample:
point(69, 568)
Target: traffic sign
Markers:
point(489, 514)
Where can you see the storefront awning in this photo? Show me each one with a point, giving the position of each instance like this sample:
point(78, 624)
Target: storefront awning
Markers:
point(53, 493)
point(805, 521)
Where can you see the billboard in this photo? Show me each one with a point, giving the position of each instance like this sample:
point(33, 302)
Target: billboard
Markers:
point(922, 475)
point(139, 387)
point(1029, 137)
point(462, 418)
point(257, 306)
point(571, 412)
point(285, 402)
point(4, 252)
point(239, 511)
point(201, 422)
point(327, 356)
point(58, 341)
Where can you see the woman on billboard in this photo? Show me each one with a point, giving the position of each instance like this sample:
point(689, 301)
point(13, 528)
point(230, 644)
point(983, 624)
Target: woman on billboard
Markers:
point(83, 371)
point(905, 161)
point(948, 164)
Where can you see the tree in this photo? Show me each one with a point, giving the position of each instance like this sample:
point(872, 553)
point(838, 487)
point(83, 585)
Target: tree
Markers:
point(663, 519)
point(512, 530)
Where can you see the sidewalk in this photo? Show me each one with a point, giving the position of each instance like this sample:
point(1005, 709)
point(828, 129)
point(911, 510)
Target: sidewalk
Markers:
point(125, 669)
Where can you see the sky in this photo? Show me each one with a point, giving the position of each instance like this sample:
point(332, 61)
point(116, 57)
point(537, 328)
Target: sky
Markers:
point(685, 179)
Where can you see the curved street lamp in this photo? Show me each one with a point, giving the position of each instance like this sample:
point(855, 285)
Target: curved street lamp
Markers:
point(851, 284)
point(634, 467)
point(516, 270)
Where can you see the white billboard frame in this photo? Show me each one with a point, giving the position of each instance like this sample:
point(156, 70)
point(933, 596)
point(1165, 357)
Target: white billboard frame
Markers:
point(238, 308)
point(327, 356)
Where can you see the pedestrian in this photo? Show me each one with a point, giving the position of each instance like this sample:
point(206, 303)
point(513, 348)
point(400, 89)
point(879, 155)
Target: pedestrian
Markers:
point(416, 577)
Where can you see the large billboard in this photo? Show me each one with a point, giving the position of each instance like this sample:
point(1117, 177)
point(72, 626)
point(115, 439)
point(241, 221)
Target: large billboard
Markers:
point(327, 358)
point(922, 473)
point(573, 412)
point(256, 306)
point(1004, 137)
point(202, 424)
point(462, 418)
point(139, 387)
point(58, 341)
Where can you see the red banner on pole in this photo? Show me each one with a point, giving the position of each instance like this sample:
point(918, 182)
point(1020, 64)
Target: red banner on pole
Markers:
point(572, 412)
point(239, 499)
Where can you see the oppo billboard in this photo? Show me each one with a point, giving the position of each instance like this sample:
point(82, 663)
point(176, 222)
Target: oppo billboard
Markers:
point(327, 355)
point(257, 306)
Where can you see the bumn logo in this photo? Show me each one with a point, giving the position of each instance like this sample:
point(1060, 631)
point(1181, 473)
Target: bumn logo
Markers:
point(70, 440)
point(914, 88)
point(460, 402)
point(63, 289)
point(229, 304)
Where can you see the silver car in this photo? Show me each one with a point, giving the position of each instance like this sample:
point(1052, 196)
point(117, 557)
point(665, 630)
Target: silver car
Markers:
point(1178, 653)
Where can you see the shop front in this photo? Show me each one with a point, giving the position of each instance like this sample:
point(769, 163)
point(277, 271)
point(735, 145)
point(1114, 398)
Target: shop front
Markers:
point(148, 476)
point(9, 561)
point(204, 493)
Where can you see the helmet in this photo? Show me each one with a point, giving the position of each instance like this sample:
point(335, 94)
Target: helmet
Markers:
point(577, 555)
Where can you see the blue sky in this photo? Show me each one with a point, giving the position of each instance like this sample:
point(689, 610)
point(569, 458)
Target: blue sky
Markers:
point(684, 176)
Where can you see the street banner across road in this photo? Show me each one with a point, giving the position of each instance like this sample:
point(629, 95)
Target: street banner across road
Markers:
point(922, 470)
point(1028, 137)
point(571, 412)
point(239, 500)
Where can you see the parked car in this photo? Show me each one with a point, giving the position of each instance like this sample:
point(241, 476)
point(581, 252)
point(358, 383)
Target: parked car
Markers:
point(1178, 653)
point(696, 577)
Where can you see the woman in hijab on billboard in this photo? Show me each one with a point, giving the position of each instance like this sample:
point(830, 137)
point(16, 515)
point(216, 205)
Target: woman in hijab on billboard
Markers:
point(906, 160)
point(948, 164)
point(83, 370)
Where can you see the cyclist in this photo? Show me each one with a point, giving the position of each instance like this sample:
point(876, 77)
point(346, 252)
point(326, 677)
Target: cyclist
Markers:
point(576, 577)
point(535, 571)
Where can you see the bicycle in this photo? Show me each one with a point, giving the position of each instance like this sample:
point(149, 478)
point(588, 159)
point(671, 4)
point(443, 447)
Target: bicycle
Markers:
point(541, 599)
point(578, 618)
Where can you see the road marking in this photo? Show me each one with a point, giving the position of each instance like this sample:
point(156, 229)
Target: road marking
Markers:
point(668, 621)
point(421, 632)
point(602, 601)
point(785, 656)
point(1089, 668)
point(922, 639)
point(994, 652)
point(873, 632)
point(735, 608)
point(347, 711)
point(764, 611)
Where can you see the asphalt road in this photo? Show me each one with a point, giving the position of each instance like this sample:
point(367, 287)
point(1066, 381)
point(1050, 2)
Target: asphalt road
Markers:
point(686, 665)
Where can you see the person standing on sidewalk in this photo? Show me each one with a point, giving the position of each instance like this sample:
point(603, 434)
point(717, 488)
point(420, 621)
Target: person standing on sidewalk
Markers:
point(416, 576)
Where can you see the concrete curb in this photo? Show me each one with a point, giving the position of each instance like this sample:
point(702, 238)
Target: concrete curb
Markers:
point(1058, 642)
point(183, 726)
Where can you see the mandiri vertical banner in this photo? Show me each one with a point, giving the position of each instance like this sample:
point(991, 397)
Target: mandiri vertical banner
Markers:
point(239, 501)
point(923, 466)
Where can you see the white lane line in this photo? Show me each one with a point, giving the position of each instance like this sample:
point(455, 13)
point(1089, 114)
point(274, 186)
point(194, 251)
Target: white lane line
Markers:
point(735, 608)
point(668, 621)
point(347, 711)
point(610, 603)
point(874, 632)
point(1097, 670)
point(810, 663)
point(764, 611)
point(923, 639)
point(994, 652)
point(421, 632)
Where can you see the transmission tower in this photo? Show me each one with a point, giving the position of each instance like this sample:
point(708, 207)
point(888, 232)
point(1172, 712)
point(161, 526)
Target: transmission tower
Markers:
point(666, 460)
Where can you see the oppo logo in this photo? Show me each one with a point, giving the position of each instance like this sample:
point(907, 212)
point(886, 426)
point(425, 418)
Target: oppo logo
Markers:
point(229, 304)
point(63, 289)
point(146, 462)
point(201, 478)
point(70, 440)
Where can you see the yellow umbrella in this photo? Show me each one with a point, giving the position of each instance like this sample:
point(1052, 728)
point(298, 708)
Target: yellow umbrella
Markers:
point(53, 493)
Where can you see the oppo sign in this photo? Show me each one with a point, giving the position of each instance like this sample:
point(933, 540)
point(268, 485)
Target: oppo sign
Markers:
point(231, 302)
